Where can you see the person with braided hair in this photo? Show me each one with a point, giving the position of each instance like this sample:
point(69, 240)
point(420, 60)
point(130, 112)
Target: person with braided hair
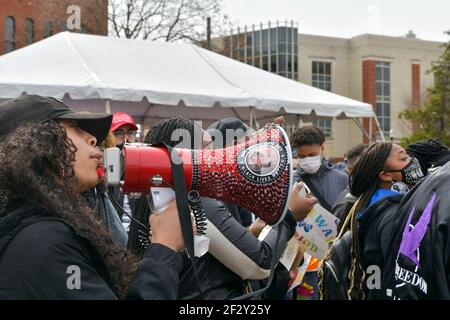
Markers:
point(237, 130)
point(379, 179)
point(217, 278)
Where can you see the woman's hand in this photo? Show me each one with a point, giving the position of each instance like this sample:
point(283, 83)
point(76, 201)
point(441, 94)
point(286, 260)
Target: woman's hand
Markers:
point(300, 206)
point(166, 228)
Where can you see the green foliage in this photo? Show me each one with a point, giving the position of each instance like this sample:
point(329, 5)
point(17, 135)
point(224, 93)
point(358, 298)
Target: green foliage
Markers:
point(434, 115)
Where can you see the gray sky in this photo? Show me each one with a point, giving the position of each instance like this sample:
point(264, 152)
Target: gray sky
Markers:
point(346, 18)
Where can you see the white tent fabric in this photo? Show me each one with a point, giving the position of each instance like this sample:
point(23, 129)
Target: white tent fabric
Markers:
point(86, 67)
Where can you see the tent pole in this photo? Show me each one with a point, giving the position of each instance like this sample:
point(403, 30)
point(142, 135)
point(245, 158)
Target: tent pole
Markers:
point(107, 106)
point(251, 117)
point(370, 131)
point(360, 127)
point(379, 128)
point(236, 113)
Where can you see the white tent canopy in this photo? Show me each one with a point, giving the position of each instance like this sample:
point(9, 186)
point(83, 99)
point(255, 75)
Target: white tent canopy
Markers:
point(153, 78)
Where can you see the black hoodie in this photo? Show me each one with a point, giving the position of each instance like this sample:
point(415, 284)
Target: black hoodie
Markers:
point(39, 254)
point(419, 264)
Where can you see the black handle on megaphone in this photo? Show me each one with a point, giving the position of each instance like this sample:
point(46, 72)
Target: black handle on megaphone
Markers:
point(183, 209)
point(182, 201)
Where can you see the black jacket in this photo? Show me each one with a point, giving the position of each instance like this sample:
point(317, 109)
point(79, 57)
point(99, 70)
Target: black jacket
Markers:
point(419, 266)
point(376, 230)
point(341, 203)
point(39, 253)
point(242, 215)
point(217, 281)
point(328, 182)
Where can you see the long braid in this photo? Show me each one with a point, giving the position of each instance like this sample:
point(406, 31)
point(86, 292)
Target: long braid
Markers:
point(160, 132)
point(164, 131)
point(341, 231)
point(363, 182)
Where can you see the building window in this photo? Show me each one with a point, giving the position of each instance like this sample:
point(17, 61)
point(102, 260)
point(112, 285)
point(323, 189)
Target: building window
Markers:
point(48, 29)
point(29, 31)
point(321, 75)
point(10, 34)
point(272, 48)
point(383, 103)
point(325, 126)
point(321, 78)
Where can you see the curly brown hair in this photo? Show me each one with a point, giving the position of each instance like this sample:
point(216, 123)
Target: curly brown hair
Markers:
point(37, 167)
point(307, 135)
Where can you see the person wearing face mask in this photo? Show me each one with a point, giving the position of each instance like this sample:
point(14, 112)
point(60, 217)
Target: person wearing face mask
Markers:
point(417, 267)
point(432, 153)
point(325, 182)
point(217, 278)
point(382, 176)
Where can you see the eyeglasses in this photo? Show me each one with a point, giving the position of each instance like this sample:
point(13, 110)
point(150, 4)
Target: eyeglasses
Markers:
point(121, 134)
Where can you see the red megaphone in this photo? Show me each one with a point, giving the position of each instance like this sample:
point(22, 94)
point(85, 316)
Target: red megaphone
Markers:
point(256, 175)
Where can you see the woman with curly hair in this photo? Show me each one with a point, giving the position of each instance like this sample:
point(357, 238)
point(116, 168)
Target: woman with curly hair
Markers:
point(52, 245)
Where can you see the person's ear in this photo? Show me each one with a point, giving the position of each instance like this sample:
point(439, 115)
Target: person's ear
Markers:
point(322, 148)
point(385, 176)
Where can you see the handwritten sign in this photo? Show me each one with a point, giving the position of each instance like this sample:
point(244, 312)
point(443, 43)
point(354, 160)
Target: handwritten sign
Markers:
point(318, 230)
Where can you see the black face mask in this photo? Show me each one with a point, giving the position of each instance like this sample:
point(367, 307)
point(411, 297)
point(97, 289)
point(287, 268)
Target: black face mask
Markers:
point(411, 173)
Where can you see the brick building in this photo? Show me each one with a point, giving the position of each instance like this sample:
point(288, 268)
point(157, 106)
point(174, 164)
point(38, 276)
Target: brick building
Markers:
point(23, 22)
point(388, 72)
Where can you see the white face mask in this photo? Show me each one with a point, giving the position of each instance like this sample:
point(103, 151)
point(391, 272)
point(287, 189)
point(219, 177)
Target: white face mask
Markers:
point(310, 164)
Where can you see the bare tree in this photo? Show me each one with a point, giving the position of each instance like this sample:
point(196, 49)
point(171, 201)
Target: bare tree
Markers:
point(166, 20)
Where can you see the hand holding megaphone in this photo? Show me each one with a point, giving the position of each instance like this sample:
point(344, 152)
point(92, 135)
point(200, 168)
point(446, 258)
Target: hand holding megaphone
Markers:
point(300, 206)
point(255, 174)
point(166, 228)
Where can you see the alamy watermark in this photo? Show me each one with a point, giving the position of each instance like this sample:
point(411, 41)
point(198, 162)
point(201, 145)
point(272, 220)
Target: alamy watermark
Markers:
point(73, 21)
point(373, 274)
point(74, 279)
point(374, 19)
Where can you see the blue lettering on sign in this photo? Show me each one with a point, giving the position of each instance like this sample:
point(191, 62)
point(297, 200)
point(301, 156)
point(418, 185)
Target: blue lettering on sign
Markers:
point(305, 226)
point(327, 232)
point(321, 221)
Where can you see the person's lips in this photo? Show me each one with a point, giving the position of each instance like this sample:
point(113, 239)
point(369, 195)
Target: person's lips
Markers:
point(98, 157)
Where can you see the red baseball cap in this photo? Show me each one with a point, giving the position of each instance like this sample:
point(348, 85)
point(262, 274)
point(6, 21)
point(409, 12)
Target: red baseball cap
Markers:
point(121, 118)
